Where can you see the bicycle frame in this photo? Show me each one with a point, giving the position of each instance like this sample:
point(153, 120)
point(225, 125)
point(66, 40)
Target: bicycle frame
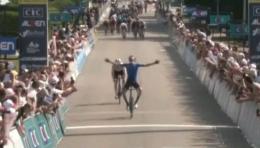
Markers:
point(131, 101)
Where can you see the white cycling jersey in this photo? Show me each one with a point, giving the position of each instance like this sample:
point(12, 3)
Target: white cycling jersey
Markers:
point(123, 26)
point(117, 68)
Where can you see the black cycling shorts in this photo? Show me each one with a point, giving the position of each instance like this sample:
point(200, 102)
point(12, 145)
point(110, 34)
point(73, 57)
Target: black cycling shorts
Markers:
point(129, 84)
point(116, 74)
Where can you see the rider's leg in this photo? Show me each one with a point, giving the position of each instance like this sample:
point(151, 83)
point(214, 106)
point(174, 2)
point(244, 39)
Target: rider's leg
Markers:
point(125, 89)
point(124, 96)
point(139, 93)
point(115, 87)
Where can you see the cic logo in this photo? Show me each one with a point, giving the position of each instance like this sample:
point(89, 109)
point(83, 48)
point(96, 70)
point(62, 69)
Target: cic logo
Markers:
point(256, 11)
point(33, 12)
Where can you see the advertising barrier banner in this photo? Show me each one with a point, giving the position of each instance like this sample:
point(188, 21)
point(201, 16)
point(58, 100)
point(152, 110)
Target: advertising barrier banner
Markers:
point(37, 133)
point(34, 34)
point(238, 31)
point(55, 127)
point(59, 17)
point(195, 15)
point(61, 117)
point(254, 31)
point(44, 132)
point(219, 19)
point(51, 123)
point(7, 45)
point(32, 138)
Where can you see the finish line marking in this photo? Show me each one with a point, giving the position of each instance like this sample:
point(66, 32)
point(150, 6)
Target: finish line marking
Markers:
point(177, 126)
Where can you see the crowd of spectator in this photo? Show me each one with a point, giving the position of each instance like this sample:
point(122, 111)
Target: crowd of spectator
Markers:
point(229, 63)
point(30, 91)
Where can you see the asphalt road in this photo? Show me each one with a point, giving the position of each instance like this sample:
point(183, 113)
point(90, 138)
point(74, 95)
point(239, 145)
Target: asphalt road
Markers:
point(175, 110)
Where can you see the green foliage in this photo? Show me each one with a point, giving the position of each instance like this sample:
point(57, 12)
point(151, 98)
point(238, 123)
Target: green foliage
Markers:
point(13, 2)
point(233, 6)
point(9, 21)
point(60, 4)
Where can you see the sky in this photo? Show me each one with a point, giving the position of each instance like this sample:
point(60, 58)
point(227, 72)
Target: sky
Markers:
point(3, 2)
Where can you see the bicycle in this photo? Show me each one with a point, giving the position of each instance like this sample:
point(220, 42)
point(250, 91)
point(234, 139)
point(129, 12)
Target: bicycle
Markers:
point(131, 101)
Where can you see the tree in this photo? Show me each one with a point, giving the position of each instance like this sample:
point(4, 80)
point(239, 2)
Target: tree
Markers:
point(234, 6)
point(61, 4)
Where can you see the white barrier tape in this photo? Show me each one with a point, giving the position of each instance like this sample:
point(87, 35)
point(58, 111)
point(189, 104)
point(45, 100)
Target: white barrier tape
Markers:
point(193, 62)
point(207, 79)
point(212, 83)
point(249, 123)
point(233, 109)
point(190, 60)
point(203, 74)
point(224, 99)
point(187, 55)
point(217, 87)
point(221, 92)
point(197, 69)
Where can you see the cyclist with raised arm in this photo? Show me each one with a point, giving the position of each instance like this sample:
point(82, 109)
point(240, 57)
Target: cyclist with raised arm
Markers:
point(117, 71)
point(132, 71)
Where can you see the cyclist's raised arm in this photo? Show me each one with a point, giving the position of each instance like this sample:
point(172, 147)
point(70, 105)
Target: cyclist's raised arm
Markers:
point(150, 64)
point(109, 61)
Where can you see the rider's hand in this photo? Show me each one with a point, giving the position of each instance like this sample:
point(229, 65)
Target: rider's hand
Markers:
point(107, 60)
point(156, 62)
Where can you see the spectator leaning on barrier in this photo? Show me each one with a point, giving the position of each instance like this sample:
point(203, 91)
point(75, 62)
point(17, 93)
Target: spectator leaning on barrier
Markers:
point(231, 64)
point(41, 90)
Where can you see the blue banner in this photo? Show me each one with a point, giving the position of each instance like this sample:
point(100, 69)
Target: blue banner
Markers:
point(7, 45)
point(34, 34)
point(254, 32)
point(198, 15)
point(187, 11)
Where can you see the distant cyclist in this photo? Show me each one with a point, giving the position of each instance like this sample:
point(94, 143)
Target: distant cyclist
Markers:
point(135, 27)
point(123, 29)
point(141, 28)
point(118, 70)
point(132, 71)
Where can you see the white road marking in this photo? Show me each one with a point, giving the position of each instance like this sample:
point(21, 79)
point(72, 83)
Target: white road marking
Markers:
point(162, 50)
point(176, 126)
point(139, 112)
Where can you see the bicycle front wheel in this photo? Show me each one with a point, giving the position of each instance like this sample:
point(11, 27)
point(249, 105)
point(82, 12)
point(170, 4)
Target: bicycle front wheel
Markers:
point(131, 106)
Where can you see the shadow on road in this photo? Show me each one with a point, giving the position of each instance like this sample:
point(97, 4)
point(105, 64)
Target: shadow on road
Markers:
point(147, 17)
point(142, 131)
point(97, 104)
point(110, 118)
point(130, 38)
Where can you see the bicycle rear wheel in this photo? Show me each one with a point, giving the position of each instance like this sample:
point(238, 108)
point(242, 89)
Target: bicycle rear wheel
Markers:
point(131, 106)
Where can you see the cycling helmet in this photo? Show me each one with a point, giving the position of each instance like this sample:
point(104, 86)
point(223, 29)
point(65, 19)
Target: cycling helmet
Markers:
point(118, 61)
point(131, 58)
